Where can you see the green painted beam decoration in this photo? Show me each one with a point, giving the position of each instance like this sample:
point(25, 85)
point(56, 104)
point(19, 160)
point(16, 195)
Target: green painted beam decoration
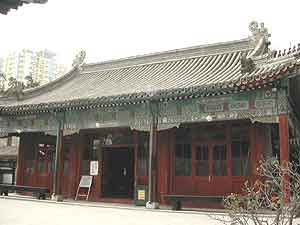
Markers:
point(253, 105)
point(134, 116)
point(31, 123)
point(261, 105)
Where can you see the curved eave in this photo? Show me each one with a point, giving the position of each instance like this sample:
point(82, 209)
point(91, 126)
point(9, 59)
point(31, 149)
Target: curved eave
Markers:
point(32, 92)
point(242, 85)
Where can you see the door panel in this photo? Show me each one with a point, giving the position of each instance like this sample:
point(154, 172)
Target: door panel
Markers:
point(219, 160)
point(202, 160)
point(118, 172)
point(210, 170)
point(65, 181)
point(106, 171)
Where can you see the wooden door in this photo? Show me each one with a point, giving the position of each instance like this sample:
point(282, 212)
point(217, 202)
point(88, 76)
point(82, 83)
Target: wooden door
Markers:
point(106, 176)
point(219, 172)
point(210, 162)
point(118, 172)
point(65, 181)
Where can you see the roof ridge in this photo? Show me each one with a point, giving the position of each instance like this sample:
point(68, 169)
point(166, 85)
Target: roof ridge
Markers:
point(180, 53)
point(278, 56)
point(291, 51)
point(157, 62)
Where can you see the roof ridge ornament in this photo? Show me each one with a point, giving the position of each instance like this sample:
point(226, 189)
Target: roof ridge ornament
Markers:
point(260, 37)
point(257, 31)
point(15, 88)
point(79, 59)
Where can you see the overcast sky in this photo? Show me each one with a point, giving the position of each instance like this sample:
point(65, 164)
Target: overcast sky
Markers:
point(110, 29)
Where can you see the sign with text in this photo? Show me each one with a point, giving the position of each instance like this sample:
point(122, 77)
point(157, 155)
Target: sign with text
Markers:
point(141, 195)
point(86, 181)
point(94, 167)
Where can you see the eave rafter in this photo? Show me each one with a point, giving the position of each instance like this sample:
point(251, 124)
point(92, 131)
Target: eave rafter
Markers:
point(265, 80)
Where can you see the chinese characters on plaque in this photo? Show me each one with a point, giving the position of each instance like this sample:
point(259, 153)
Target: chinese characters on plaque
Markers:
point(94, 167)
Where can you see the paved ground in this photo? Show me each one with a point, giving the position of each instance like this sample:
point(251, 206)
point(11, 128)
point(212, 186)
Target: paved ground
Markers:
point(27, 211)
point(24, 212)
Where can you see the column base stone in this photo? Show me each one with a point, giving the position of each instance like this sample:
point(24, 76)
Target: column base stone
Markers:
point(58, 198)
point(152, 205)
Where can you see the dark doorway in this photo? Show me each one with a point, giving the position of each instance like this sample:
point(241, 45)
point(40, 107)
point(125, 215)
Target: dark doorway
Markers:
point(118, 172)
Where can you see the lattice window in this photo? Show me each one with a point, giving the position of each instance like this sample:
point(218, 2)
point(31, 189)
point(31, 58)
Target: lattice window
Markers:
point(240, 148)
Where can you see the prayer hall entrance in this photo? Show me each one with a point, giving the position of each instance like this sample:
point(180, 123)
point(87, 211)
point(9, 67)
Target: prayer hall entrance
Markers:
point(118, 172)
point(210, 170)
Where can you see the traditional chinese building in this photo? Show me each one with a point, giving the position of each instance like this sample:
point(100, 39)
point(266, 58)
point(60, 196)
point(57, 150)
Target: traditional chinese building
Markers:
point(191, 121)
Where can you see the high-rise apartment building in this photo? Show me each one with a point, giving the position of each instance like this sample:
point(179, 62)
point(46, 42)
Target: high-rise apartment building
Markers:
point(42, 66)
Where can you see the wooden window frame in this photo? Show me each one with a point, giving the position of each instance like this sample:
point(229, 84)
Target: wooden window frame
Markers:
point(241, 139)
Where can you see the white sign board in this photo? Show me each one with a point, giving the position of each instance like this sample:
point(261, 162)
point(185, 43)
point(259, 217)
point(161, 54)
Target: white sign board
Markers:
point(94, 167)
point(86, 181)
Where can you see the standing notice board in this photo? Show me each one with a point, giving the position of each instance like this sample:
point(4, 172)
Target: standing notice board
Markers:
point(85, 182)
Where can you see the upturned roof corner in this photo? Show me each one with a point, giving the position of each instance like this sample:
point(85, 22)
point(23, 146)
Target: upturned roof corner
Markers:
point(260, 39)
point(79, 59)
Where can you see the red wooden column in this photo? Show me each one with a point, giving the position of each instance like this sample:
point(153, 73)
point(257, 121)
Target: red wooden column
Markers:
point(284, 150)
point(254, 154)
point(75, 164)
point(98, 178)
point(259, 146)
point(171, 187)
point(163, 165)
point(20, 162)
point(34, 139)
point(58, 162)
point(136, 148)
point(71, 174)
point(152, 176)
point(229, 150)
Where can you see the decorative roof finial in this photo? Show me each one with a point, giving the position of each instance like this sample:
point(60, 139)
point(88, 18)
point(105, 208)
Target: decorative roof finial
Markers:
point(260, 37)
point(253, 27)
point(79, 59)
point(259, 31)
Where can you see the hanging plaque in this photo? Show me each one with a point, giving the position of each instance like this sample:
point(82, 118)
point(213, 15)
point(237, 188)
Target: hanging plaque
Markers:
point(94, 167)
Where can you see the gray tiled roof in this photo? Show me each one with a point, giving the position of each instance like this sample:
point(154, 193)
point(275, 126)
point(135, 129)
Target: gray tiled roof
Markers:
point(168, 70)
point(136, 77)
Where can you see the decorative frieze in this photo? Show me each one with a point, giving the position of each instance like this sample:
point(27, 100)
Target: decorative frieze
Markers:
point(216, 107)
point(264, 104)
point(236, 106)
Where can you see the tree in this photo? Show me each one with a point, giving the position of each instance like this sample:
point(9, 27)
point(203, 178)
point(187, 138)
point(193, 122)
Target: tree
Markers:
point(15, 88)
point(30, 83)
point(274, 198)
point(2, 79)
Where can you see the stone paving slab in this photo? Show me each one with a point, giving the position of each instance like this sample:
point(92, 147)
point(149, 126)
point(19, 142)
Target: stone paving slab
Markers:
point(15, 211)
point(111, 205)
point(24, 210)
